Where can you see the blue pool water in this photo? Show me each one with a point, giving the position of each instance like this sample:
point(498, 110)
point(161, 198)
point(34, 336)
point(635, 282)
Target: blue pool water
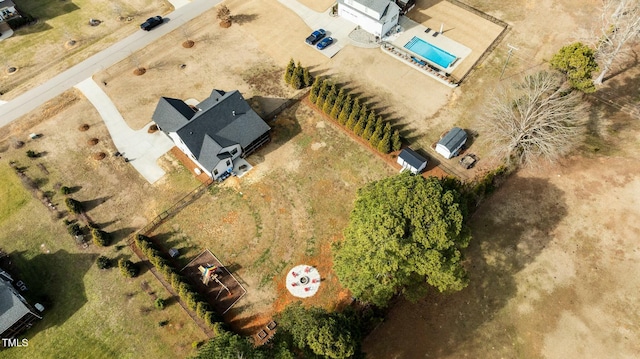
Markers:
point(430, 52)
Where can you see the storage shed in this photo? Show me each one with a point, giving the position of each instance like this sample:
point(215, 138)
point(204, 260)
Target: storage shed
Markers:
point(450, 145)
point(412, 161)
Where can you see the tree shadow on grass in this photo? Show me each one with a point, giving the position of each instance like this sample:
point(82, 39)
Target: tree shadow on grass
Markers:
point(55, 280)
point(510, 230)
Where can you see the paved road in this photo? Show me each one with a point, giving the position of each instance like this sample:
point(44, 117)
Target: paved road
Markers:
point(35, 97)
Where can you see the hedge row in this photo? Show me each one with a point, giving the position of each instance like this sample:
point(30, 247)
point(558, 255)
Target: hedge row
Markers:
point(355, 116)
point(192, 298)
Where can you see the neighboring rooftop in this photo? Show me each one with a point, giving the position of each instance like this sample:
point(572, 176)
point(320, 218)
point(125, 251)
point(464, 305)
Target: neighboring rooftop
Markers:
point(412, 158)
point(12, 307)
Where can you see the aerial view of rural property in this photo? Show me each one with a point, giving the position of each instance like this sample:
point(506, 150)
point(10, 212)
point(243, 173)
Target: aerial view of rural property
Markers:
point(384, 179)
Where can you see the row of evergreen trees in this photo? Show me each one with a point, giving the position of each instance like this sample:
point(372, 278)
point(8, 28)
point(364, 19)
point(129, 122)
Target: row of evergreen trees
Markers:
point(354, 115)
point(190, 296)
point(297, 76)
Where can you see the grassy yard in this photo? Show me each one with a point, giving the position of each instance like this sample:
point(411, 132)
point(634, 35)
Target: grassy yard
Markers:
point(286, 211)
point(90, 312)
point(13, 196)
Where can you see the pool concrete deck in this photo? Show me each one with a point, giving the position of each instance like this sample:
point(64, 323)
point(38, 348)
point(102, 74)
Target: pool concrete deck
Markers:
point(411, 28)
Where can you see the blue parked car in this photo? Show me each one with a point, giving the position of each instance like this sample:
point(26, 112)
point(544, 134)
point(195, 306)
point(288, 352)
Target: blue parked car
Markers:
point(324, 43)
point(316, 36)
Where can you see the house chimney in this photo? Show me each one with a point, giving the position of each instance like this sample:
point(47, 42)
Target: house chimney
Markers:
point(233, 113)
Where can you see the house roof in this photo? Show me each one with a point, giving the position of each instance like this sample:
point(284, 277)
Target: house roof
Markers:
point(222, 120)
point(412, 158)
point(453, 139)
point(171, 114)
point(12, 308)
point(378, 6)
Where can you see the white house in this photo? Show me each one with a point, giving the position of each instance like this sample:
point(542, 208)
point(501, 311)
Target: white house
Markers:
point(214, 133)
point(450, 145)
point(412, 161)
point(374, 16)
point(7, 10)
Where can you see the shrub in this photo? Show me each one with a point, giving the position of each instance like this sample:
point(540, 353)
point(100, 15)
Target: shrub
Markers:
point(162, 323)
point(211, 318)
point(160, 303)
point(104, 262)
point(64, 190)
point(297, 80)
point(315, 90)
point(343, 117)
point(31, 154)
point(128, 268)
point(202, 308)
point(384, 146)
point(74, 229)
point(73, 206)
point(100, 238)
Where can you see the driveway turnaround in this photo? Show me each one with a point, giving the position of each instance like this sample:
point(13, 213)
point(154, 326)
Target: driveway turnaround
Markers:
point(336, 27)
point(141, 148)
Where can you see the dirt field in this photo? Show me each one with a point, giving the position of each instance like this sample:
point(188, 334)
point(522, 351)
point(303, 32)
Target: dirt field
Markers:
point(41, 51)
point(553, 273)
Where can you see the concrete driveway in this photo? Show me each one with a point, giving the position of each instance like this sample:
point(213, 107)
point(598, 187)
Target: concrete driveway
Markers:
point(336, 27)
point(141, 148)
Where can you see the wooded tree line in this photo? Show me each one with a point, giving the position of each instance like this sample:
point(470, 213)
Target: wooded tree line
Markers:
point(302, 333)
point(349, 111)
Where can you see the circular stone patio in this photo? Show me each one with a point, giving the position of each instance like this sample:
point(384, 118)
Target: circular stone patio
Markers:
point(303, 281)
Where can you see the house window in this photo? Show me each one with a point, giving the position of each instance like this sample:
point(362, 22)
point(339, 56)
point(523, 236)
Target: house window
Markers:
point(234, 151)
point(215, 172)
point(228, 162)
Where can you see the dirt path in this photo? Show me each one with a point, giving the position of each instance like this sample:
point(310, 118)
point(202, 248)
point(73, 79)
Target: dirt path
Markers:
point(553, 271)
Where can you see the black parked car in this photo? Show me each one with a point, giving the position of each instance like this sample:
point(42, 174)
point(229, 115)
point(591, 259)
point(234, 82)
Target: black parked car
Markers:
point(151, 23)
point(316, 36)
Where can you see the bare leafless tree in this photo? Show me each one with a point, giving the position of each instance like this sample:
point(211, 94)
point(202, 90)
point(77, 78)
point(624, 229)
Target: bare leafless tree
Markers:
point(619, 27)
point(224, 15)
point(538, 117)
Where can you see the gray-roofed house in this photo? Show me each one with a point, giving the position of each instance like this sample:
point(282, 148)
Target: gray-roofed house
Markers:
point(450, 145)
point(412, 161)
point(217, 131)
point(377, 17)
point(16, 315)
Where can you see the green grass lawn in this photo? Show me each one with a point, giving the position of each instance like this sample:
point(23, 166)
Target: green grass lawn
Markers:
point(12, 195)
point(90, 313)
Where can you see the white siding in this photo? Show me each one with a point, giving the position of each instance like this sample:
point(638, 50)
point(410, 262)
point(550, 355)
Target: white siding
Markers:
point(176, 139)
point(368, 24)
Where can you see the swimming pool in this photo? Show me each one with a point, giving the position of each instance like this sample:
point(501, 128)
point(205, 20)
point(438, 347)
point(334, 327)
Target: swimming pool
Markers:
point(430, 52)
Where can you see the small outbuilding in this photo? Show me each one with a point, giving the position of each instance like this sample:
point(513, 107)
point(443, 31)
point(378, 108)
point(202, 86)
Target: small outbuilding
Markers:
point(412, 161)
point(451, 144)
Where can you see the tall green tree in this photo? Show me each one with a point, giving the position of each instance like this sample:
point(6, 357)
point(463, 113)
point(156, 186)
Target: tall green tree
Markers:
point(396, 141)
point(378, 133)
point(371, 126)
point(384, 145)
point(337, 106)
point(578, 62)
point(297, 80)
point(315, 89)
point(306, 77)
point(228, 345)
point(330, 100)
point(346, 110)
point(403, 232)
point(354, 115)
point(324, 91)
point(329, 335)
point(288, 72)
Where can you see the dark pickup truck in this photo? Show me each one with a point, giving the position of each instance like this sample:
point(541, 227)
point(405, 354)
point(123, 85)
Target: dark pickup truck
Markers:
point(316, 36)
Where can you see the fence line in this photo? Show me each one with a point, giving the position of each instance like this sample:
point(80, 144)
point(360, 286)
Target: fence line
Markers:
point(171, 211)
point(290, 102)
